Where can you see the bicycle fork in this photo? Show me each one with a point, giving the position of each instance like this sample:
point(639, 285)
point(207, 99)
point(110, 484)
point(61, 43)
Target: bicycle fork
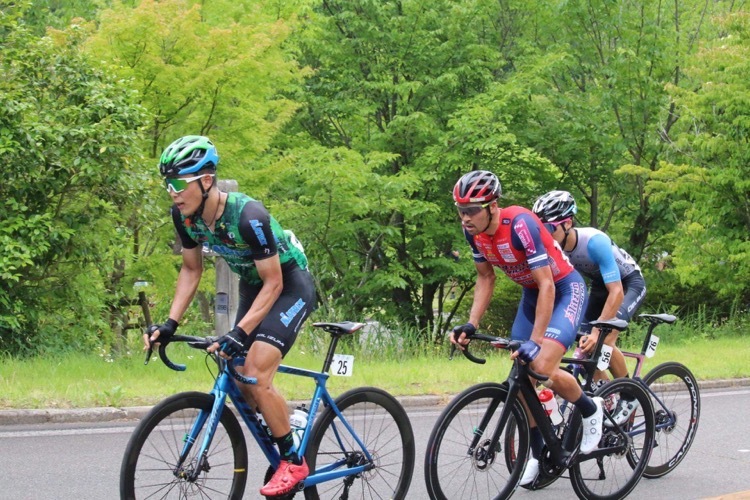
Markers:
point(213, 417)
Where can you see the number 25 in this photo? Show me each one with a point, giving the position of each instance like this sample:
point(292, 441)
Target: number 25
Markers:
point(343, 368)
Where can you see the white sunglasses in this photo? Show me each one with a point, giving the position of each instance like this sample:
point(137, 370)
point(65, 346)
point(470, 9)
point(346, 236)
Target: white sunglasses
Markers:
point(177, 185)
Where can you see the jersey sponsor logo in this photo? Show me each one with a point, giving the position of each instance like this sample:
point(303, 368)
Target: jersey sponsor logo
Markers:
point(223, 250)
point(574, 308)
point(486, 250)
point(552, 333)
point(519, 273)
point(637, 301)
point(506, 253)
point(271, 339)
point(522, 230)
point(288, 316)
point(505, 222)
point(258, 228)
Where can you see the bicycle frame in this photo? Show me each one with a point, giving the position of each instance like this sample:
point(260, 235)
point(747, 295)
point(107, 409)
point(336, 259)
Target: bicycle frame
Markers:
point(562, 451)
point(225, 387)
point(588, 367)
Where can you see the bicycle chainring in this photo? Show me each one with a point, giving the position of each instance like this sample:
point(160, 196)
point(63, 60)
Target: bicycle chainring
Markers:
point(547, 465)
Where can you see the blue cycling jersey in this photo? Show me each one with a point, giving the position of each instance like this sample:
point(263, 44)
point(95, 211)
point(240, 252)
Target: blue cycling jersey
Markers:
point(597, 257)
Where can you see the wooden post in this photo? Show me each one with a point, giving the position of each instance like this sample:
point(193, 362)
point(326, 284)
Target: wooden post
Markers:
point(227, 283)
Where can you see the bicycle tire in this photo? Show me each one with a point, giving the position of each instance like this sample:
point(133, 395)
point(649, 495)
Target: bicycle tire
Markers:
point(382, 424)
point(613, 476)
point(454, 470)
point(676, 387)
point(150, 461)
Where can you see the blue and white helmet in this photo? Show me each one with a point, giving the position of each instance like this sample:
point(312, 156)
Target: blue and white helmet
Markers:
point(555, 206)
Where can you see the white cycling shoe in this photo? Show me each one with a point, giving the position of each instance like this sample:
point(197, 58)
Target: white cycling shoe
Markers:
point(531, 472)
point(623, 411)
point(592, 428)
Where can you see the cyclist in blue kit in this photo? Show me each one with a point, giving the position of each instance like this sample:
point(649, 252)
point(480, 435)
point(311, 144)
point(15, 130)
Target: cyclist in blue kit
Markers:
point(552, 302)
point(276, 291)
point(617, 285)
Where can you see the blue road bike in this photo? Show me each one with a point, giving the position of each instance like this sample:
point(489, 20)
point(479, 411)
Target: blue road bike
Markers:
point(361, 445)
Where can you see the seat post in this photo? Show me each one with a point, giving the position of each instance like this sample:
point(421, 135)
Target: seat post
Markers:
point(331, 351)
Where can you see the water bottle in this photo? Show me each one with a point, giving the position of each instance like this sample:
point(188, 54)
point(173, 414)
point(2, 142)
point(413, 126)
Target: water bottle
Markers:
point(263, 424)
point(298, 422)
point(575, 369)
point(549, 401)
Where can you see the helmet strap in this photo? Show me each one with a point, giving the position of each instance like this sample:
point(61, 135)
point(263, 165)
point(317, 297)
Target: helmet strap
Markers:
point(199, 211)
point(489, 222)
point(565, 238)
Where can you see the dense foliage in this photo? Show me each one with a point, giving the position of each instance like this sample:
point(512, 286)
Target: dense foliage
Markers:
point(70, 144)
point(352, 120)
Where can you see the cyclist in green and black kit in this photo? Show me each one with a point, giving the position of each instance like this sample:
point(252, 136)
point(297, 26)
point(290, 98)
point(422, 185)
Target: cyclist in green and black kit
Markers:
point(277, 292)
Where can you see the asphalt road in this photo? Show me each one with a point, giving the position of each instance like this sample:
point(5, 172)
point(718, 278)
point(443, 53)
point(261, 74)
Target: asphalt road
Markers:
point(82, 460)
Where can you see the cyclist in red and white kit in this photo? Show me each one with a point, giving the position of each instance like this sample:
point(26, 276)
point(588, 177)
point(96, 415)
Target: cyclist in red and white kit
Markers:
point(553, 299)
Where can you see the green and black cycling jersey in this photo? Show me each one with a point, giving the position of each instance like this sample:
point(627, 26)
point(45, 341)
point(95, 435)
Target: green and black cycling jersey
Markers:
point(244, 233)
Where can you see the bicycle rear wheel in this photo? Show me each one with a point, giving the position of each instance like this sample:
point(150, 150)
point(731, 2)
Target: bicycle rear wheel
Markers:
point(382, 424)
point(456, 469)
point(624, 450)
point(151, 469)
point(677, 408)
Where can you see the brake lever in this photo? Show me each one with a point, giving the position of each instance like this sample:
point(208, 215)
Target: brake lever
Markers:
point(149, 353)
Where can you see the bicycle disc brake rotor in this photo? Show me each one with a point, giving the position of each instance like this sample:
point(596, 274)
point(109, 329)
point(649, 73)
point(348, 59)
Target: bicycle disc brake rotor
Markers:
point(358, 459)
point(663, 418)
point(483, 457)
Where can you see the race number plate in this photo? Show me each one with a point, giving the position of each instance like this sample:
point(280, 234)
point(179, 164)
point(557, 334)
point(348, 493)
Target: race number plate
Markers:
point(343, 365)
point(604, 358)
point(652, 343)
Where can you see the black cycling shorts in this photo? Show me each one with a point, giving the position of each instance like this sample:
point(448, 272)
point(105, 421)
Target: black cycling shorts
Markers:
point(282, 323)
point(634, 288)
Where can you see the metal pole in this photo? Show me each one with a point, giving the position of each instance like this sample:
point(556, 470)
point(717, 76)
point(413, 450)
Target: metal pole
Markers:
point(227, 283)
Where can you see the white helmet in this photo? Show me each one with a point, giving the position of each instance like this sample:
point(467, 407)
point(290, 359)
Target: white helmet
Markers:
point(555, 206)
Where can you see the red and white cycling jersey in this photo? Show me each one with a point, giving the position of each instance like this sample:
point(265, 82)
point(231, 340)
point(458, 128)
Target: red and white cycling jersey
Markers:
point(520, 245)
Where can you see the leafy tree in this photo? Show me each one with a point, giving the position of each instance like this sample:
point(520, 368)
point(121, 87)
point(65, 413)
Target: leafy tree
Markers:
point(69, 136)
point(213, 70)
point(711, 188)
point(596, 79)
point(57, 14)
point(390, 102)
point(209, 68)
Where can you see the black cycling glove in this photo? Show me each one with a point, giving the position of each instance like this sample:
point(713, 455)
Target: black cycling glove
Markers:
point(166, 330)
point(233, 343)
point(468, 328)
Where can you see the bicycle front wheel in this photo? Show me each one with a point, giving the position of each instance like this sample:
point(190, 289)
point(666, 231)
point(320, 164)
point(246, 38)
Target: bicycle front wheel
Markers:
point(677, 406)
point(461, 461)
point(382, 424)
point(151, 467)
point(624, 449)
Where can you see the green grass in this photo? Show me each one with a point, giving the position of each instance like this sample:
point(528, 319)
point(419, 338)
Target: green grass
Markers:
point(79, 381)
